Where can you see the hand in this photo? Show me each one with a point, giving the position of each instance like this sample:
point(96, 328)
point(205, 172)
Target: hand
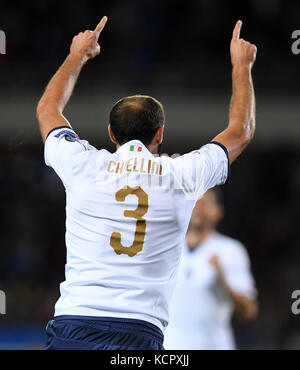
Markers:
point(242, 52)
point(85, 44)
point(214, 261)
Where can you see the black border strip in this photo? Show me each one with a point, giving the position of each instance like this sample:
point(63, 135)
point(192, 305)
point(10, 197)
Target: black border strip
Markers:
point(227, 155)
point(57, 128)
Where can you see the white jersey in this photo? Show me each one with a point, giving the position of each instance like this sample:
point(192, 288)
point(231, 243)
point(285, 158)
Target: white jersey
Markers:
point(126, 217)
point(200, 309)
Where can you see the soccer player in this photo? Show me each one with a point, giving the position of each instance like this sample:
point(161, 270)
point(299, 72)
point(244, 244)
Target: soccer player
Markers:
point(127, 212)
point(214, 280)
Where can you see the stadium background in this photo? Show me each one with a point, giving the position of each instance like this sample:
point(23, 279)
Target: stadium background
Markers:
point(177, 51)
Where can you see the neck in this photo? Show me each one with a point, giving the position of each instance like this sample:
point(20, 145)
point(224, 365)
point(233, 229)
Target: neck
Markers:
point(153, 148)
point(197, 236)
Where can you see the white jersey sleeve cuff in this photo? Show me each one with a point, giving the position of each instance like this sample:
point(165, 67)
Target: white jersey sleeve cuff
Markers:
point(223, 147)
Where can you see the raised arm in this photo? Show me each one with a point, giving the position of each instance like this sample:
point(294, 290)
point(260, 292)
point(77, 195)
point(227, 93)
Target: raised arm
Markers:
point(245, 306)
point(241, 128)
point(59, 90)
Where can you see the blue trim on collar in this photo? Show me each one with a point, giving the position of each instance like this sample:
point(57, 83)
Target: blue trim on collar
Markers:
point(227, 155)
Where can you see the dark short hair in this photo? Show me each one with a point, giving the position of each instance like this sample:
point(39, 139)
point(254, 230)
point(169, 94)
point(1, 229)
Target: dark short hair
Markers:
point(136, 117)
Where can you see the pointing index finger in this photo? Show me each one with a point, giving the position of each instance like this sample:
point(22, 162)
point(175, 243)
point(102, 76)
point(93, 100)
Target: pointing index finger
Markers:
point(237, 30)
point(100, 26)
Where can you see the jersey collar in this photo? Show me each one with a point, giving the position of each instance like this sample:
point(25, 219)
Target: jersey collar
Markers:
point(133, 146)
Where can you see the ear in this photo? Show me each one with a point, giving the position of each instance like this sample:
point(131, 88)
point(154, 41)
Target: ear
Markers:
point(111, 135)
point(159, 136)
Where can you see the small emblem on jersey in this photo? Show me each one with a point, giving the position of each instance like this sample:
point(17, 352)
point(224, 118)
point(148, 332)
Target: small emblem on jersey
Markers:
point(135, 148)
point(70, 138)
point(69, 135)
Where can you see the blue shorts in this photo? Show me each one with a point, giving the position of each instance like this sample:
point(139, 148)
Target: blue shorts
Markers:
point(101, 333)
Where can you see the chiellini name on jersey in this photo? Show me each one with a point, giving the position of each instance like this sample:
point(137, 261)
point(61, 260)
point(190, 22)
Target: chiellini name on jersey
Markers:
point(153, 173)
point(138, 165)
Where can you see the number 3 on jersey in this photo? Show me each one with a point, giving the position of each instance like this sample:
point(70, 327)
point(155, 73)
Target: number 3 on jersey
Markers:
point(138, 214)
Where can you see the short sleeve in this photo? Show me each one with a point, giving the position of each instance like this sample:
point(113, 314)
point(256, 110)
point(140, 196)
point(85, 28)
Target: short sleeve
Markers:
point(201, 170)
point(63, 151)
point(237, 270)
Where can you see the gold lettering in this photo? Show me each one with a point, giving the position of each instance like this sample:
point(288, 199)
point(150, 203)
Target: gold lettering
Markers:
point(134, 165)
point(154, 168)
point(128, 164)
point(111, 163)
point(142, 166)
point(120, 169)
point(138, 214)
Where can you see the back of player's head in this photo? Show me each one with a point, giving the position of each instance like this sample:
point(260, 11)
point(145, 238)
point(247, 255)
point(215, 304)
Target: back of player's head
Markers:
point(136, 117)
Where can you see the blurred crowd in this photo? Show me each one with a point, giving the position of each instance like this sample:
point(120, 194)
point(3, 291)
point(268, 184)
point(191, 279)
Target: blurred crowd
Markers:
point(177, 43)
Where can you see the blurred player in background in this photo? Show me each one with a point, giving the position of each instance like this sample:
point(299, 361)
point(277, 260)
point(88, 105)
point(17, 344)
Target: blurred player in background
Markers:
point(127, 212)
point(214, 281)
